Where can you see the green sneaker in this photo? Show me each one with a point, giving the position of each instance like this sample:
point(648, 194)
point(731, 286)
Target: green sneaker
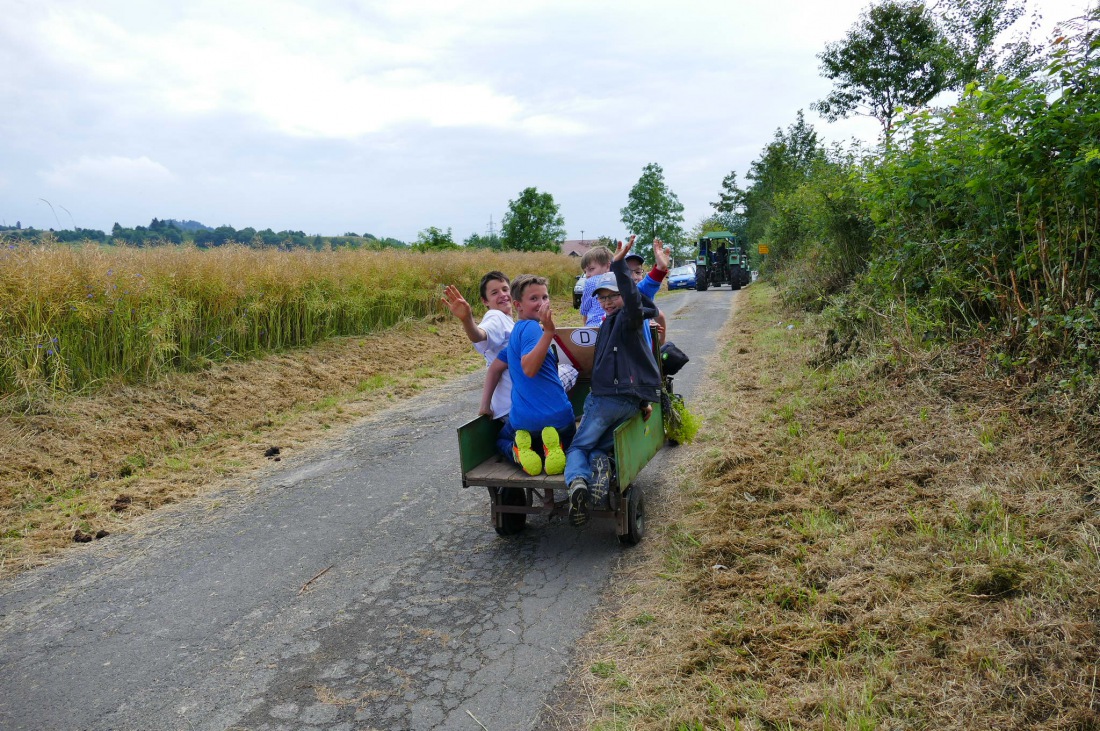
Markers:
point(525, 456)
point(555, 456)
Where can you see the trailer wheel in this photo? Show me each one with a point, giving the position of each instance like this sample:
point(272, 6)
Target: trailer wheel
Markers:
point(512, 523)
point(635, 517)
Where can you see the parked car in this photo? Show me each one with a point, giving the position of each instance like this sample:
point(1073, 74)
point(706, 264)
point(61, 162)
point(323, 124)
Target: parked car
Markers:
point(578, 290)
point(682, 277)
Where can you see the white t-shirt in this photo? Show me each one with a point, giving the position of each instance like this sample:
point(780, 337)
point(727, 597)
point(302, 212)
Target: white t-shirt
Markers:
point(498, 328)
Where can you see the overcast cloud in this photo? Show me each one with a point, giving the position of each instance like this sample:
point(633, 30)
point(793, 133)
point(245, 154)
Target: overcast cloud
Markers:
point(389, 117)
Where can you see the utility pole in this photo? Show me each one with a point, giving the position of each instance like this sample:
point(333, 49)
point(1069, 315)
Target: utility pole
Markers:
point(492, 231)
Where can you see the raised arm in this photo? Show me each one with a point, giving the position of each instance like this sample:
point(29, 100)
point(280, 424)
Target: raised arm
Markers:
point(460, 308)
point(533, 360)
point(662, 255)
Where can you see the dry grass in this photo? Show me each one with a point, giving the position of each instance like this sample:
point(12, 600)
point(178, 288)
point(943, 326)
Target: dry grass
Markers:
point(889, 543)
point(85, 464)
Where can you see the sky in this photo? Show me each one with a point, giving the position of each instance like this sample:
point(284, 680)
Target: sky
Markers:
point(387, 117)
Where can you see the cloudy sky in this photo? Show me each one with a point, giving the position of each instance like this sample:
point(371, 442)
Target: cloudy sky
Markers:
point(389, 117)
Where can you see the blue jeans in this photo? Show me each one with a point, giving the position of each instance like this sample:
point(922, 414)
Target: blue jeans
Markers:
point(596, 433)
point(507, 437)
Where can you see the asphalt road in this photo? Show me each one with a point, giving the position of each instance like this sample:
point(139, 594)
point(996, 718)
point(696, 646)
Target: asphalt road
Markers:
point(205, 616)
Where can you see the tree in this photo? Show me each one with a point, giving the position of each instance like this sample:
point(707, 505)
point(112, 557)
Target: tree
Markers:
point(730, 197)
point(972, 28)
point(432, 239)
point(476, 241)
point(532, 223)
point(652, 210)
point(785, 164)
point(894, 57)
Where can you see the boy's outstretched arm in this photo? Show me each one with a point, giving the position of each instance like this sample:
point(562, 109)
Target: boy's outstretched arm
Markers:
point(632, 299)
point(460, 308)
point(492, 378)
point(533, 360)
point(662, 255)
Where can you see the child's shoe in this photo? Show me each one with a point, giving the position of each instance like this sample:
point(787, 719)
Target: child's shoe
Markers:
point(601, 482)
point(578, 502)
point(555, 456)
point(525, 456)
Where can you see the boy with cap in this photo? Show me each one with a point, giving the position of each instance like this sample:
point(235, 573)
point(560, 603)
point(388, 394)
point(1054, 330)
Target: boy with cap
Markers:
point(625, 378)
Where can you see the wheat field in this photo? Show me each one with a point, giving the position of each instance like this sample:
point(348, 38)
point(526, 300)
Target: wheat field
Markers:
point(74, 317)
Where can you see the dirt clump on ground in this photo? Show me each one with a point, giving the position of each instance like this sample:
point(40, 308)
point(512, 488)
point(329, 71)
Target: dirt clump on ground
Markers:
point(74, 469)
point(893, 541)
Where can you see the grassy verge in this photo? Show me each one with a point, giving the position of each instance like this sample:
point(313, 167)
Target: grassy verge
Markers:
point(889, 542)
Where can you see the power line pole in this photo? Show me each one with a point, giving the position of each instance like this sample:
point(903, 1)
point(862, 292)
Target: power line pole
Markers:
point(492, 231)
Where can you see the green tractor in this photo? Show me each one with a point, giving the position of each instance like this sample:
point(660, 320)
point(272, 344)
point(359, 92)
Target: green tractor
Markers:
point(723, 259)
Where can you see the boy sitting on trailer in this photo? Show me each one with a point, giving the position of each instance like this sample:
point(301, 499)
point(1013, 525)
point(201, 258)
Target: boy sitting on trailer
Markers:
point(596, 261)
point(625, 379)
point(491, 336)
point(541, 419)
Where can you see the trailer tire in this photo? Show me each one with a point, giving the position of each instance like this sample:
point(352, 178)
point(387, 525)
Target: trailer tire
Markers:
point(635, 517)
point(512, 523)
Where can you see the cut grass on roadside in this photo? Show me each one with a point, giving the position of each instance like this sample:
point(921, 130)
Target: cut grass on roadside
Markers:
point(884, 543)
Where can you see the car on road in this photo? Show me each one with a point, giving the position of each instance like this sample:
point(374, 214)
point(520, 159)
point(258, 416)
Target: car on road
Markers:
point(682, 277)
point(578, 290)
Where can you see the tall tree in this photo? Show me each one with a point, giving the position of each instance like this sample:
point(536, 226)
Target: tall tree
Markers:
point(785, 163)
point(730, 197)
point(894, 57)
point(532, 223)
point(652, 211)
point(972, 29)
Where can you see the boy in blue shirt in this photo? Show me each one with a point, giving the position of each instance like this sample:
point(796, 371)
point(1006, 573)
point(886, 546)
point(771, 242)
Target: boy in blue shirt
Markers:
point(596, 261)
point(541, 419)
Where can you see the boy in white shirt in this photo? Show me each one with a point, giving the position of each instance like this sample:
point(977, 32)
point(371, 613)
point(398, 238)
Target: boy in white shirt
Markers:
point(491, 336)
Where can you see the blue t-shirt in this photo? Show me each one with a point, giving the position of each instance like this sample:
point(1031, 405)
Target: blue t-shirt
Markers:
point(538, 401)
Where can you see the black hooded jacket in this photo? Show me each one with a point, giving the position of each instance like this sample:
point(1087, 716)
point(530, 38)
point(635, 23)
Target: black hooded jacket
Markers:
point(623, 364)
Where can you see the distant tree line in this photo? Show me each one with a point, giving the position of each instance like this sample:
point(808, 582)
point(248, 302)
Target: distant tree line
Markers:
point(161, 232)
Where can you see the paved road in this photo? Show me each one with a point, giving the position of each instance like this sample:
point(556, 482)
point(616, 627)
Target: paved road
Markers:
point(425, 619)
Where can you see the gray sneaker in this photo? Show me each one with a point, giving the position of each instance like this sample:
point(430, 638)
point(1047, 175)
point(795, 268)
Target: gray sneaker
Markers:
point(601, 482)
point(578, 502)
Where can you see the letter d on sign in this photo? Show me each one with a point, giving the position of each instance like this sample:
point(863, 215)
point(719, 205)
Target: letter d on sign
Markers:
point(584, 337)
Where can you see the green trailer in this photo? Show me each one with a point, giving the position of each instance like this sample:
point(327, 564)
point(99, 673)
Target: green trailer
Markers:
point(514, 495)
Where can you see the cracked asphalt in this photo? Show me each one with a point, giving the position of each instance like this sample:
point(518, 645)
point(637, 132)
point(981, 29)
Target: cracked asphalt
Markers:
point(356, 586)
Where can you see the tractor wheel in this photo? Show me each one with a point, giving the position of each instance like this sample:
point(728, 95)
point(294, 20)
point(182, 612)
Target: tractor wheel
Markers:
point(700, 282)
point(635, 517)
point(512, 523)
